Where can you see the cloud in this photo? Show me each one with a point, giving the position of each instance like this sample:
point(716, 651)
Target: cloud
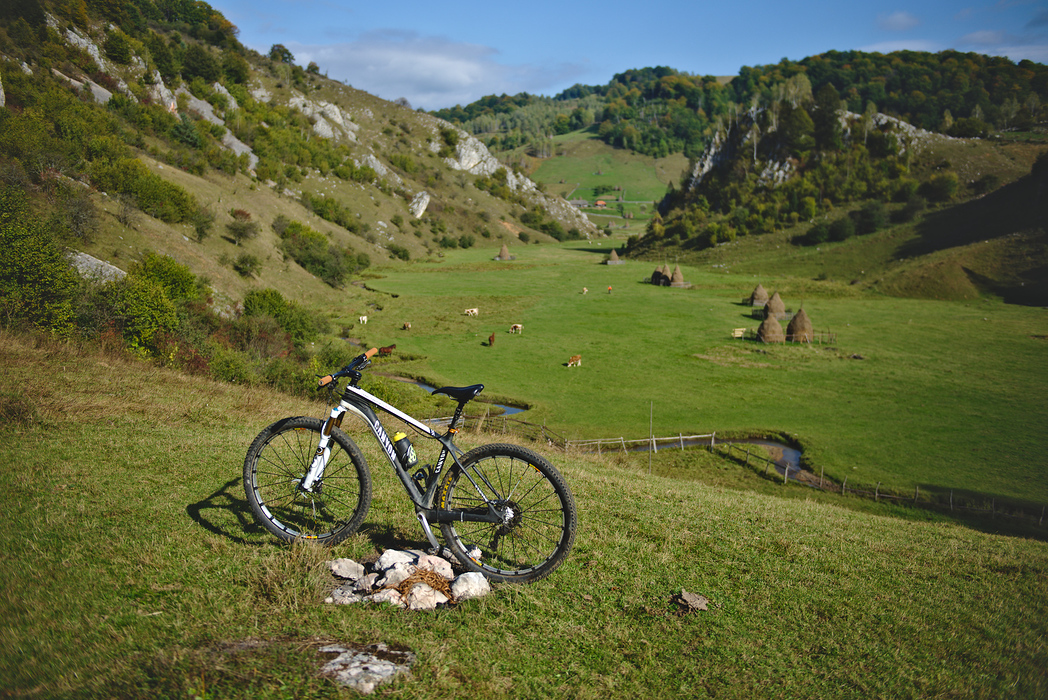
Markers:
point(900, 21)
point(986, 37)
point(431, 72)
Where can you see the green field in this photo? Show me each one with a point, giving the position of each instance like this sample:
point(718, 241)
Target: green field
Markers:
point(947, 395)
point(584, 162)
point(133, 569)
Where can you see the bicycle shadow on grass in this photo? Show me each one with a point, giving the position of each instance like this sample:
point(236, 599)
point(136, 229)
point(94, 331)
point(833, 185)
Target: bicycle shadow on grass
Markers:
point(227, 514)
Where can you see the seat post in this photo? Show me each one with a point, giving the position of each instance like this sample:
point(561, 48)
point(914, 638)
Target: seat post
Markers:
point(453, 426)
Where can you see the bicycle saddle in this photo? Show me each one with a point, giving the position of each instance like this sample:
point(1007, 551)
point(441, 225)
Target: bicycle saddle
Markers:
point(462, 394)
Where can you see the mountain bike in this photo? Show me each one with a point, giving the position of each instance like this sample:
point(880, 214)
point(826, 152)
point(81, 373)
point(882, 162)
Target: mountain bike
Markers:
point(503, 510)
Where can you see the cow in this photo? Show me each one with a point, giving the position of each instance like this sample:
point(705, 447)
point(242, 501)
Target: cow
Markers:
point(472, 312)
point(407, 325)
point(491, 339)
point(585, 291)
point(363, 320)
point(516, 328)
point(575, 361)
point(387, 350)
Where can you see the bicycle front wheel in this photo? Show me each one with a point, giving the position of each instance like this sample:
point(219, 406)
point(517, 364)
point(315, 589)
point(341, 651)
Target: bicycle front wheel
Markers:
point(539, 518)
point(277, 461)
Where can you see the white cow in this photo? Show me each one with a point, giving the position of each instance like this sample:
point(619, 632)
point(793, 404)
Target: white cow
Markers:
point(363, 320)
point(516, 328)
point(575, 361)
point(472, 312)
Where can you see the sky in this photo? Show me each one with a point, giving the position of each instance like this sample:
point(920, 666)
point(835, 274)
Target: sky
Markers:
point(439, 54)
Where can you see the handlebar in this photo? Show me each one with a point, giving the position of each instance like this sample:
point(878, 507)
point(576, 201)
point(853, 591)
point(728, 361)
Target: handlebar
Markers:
point(360, 361)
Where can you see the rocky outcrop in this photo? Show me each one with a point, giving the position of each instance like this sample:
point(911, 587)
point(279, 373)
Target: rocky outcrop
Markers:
point(418, 204)
point(206, 111)
point(329, 121)
point(92, 268)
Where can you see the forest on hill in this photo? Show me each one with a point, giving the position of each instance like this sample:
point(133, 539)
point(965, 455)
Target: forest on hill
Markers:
point(658, 111)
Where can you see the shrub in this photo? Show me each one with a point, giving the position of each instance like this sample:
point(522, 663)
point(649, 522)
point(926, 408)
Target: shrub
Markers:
point(818, 233)
point(247, 265)
point(842, 229)
point(940, 187)
point(296, 321)
point(143, 312)
point(154, 195)
point(872, 216)
point(176, 279)
point(37, 285)
point(911, 210)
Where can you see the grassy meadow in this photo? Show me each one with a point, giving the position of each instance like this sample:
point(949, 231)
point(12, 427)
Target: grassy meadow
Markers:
point(132, 569)
point(946, 395)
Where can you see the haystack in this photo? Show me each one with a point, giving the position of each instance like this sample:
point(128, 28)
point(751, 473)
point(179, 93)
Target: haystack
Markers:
point(799, 330)
point(613, 259)
point(656, 277)
point(677, 279)
point(504, 253)
point(759, 297)
point(770, 331)
point(665, 275)
point(775, 308)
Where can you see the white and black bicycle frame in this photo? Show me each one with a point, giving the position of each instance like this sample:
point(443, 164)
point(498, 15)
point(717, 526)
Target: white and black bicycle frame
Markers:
point(356, 400)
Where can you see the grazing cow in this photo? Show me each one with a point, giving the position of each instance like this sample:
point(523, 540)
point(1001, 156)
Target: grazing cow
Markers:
point(472, 312)
point(387, 350)
point(363, 320)
point(491, 339)
point(516, 328)
point(575, 361)
point(407, 325)
point(585, 291)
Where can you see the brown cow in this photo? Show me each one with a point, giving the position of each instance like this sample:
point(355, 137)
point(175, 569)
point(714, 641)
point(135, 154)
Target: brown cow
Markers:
point(387, 350)
point(407, 325)
point(491, 340)
point(575, 361)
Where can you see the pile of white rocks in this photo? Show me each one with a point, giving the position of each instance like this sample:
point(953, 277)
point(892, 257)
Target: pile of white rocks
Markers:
point(408, 579)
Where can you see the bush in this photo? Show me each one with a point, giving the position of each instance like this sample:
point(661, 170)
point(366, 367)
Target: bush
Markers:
point(911, 210)
point(247, 265)
point(818, 233)
point(940, 187)
point(872, 216)
point(842, 229)
point(143, 312)
point(37, 285)
point(176, 279)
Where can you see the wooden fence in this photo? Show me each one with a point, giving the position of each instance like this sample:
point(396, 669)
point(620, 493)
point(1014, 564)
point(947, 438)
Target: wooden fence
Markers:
point(745, 454)
point(650, 443)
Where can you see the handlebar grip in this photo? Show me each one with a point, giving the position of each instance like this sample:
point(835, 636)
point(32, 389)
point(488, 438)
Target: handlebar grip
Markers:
point(371, 353)
point(324, 381)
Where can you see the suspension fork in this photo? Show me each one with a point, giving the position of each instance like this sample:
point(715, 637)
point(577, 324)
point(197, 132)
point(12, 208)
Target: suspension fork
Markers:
point(323, 451)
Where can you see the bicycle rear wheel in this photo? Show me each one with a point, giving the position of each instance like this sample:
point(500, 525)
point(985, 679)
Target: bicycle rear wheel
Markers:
point(275, 464)
point(539, 523)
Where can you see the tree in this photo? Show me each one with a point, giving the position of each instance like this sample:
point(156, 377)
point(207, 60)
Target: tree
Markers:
point(827, 125)
point(280, 54)
point(241, 228)
point(199, 62)
point(868, 117)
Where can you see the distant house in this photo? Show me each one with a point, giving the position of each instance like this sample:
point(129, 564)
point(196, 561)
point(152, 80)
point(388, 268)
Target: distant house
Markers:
point(601, 204)
point(580, 203)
